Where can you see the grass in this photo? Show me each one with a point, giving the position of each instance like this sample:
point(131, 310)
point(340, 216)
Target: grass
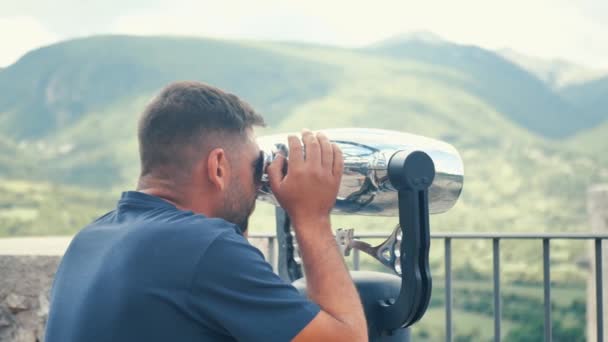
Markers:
point(41, 209)
point(466, 325)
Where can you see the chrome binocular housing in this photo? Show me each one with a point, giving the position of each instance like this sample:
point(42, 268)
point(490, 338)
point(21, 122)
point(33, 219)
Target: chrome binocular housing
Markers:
point(365, 188)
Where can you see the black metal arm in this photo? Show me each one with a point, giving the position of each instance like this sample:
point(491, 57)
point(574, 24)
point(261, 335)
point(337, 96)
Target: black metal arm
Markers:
point(412, 174)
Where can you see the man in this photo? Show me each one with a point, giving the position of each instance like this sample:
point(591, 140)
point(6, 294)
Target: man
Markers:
point(172, 263)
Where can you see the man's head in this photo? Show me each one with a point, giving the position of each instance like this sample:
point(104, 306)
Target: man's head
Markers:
point(197, 146)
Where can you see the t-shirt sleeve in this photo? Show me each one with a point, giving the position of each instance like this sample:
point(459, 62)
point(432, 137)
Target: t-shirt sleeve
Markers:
point(236, 289)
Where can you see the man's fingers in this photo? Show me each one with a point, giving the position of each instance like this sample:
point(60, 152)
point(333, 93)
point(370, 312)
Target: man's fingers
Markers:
point(275, 171)
point(313, 150)
point(327, 153)
point(338, 166)
point(296, 156)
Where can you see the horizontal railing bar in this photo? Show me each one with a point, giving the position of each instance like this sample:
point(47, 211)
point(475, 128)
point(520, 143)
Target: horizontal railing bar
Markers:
point(452, 235)
point(581, 236)
point(262, 236)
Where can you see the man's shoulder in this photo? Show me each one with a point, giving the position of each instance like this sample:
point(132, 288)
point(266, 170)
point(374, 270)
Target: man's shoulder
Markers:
point(229, 252)
point(175, 222)
point(199, 229)
point(170, 232)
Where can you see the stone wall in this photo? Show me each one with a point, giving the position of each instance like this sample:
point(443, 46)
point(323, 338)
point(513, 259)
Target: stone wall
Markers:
point(24, 291)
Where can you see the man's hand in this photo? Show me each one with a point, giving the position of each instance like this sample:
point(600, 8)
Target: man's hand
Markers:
point(308, 191)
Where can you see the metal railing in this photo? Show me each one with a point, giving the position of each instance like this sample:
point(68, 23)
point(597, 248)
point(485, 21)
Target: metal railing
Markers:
point(496, 239)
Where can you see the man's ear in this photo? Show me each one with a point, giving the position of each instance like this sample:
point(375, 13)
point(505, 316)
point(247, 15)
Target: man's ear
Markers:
point(218, 169)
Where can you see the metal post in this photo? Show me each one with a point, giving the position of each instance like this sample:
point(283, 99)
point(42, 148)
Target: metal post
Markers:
point(597, 208)
point(599, 311)
point(547, 288)
point(448, 289)
point(497, 304)
point(356, 259)
point(287, 266)
point(272, 260)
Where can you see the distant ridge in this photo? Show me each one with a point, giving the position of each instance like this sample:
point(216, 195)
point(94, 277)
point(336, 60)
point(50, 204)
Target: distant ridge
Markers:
point(511, 89)
point(557, 73)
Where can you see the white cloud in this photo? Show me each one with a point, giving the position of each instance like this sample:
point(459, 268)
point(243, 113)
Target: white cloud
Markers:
point(543, 28)
point(262, 19)
point(20, 35)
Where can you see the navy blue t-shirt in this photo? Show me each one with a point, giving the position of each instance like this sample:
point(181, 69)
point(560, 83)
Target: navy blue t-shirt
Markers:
point(148, 271)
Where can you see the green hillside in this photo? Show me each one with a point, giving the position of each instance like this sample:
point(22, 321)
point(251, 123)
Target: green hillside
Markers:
point(40, 208)
point(591, 97)
point(68, 114)
point(593, 143)
point(512, 91)
point(16, 162)
point(53, 87)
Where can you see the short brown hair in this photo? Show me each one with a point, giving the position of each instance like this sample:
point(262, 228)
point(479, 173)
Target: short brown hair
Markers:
point(181, 116)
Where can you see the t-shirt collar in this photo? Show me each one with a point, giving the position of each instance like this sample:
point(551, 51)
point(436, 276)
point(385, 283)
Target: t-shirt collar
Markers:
point(143, 199)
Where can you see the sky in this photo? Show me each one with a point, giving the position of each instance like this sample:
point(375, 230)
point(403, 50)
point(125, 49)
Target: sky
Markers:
point(574, 30)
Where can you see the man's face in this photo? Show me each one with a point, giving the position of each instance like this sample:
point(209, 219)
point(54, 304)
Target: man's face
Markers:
point(247, 166)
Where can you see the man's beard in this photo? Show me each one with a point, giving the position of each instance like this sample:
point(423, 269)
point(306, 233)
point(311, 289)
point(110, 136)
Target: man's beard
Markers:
point(238, 209)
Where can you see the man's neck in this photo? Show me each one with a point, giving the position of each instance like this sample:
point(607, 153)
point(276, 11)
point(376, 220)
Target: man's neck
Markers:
point(164, 190)
point(181, 196)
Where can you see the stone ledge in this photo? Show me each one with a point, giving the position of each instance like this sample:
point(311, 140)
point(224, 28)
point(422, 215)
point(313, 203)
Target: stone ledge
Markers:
point(50, 245)
point(24, 293)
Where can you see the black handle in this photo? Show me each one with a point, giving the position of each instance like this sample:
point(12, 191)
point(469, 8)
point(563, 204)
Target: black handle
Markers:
point(411, 173)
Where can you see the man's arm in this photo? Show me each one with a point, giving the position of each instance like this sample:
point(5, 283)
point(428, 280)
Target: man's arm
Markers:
point(308, 193)
point(329, 285)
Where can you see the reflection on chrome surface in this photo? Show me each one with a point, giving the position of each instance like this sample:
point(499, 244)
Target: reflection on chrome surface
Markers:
point(365, 188)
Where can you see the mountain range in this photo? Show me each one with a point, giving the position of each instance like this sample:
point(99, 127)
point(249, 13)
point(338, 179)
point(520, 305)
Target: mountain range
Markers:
point(531, 143)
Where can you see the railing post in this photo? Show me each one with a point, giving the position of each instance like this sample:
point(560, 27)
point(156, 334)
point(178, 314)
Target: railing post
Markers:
point(497, 296)
point(356, 256)
point(271, 253)
point(598, 290)
point(597, 206)
point(547, 288)
point(448, 289)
